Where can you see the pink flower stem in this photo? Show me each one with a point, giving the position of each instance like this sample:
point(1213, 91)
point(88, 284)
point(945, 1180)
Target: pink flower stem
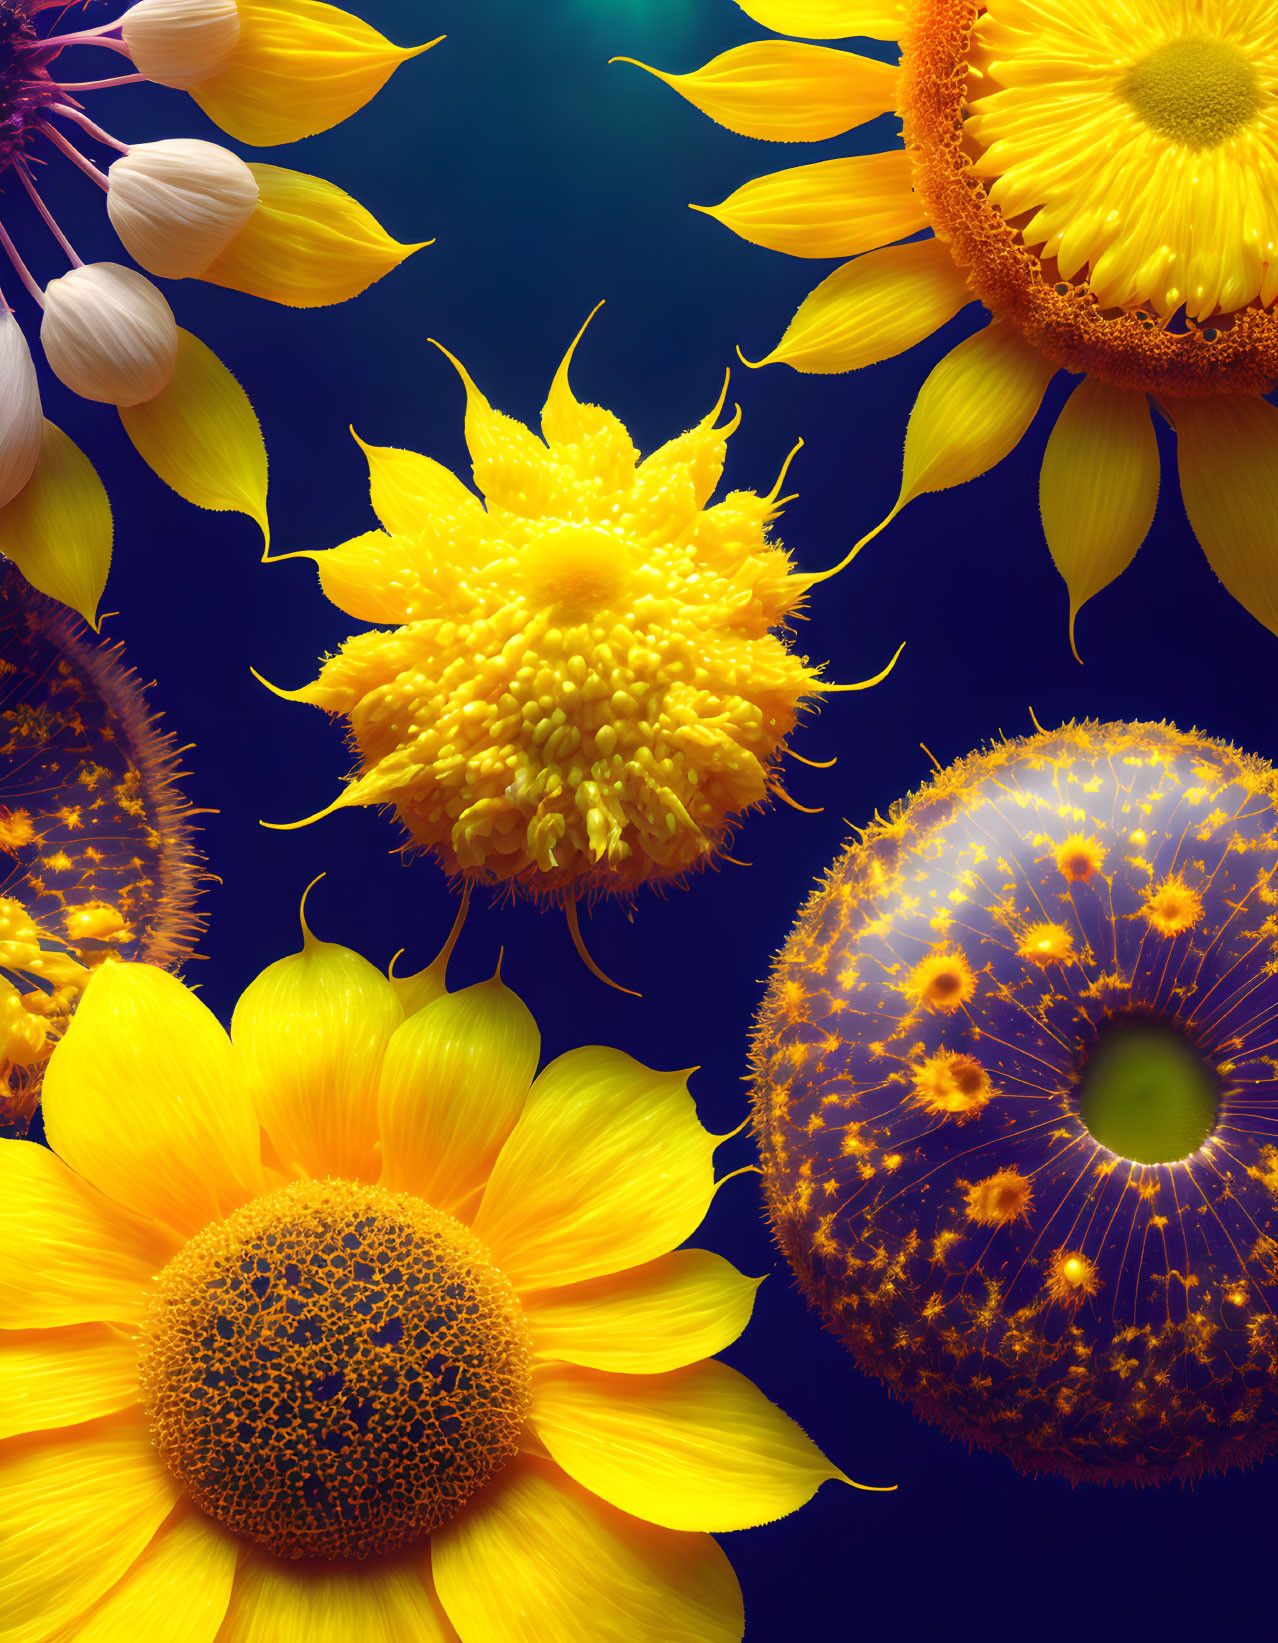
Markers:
point(44, 211)
point(74, 155)
point(24, 273)
point(86, 124)
point(100, 85)
point(87, 39)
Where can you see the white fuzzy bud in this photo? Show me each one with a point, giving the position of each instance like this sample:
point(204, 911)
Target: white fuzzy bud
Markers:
point(21, 419)
point(181, 42)
point(109, 334)
point(178, 204)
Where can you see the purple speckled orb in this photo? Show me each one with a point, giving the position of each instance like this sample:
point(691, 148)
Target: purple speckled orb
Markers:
point(1015, 1096)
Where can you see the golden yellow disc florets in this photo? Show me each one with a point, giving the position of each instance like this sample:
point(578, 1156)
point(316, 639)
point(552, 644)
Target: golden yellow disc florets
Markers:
point(588, 680)
point(1193, 91)
point(334, 1370)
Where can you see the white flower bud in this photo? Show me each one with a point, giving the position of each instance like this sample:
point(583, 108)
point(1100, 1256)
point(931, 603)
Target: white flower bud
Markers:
point(181, 42)
point(21, 419)
point(178, 204)
point(109, 334)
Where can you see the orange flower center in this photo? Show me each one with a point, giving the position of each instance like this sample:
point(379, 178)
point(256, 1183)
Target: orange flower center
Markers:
point(334, 1370)
point(1118, 319)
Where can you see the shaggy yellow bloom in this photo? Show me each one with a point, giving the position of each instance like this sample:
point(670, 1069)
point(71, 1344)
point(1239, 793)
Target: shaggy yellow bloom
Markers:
point(586, 684)
point(1104, 179)
point(356, 1315)
point(268, 71)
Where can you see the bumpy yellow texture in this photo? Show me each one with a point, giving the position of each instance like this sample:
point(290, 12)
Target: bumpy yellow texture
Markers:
point(586, 684)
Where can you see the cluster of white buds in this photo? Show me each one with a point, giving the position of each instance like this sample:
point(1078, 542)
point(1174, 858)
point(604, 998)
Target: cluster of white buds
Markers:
point(181, 43)
point(109, 334)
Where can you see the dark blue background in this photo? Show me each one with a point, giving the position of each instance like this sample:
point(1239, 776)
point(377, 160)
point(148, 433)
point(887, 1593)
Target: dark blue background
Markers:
point(552, 180)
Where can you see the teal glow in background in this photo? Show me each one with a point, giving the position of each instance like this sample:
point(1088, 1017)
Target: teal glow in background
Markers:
point(552, 180)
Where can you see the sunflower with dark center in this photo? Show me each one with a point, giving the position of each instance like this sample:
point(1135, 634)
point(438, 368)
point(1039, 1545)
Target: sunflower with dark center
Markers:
point(1015, 1096)
point(1104, 180)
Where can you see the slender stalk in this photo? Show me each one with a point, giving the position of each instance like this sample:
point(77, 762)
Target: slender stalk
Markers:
point(61, 40)
point(86, 124)
point(24, 273)
point(74, 155)
point(44, 211)
point(100, 85)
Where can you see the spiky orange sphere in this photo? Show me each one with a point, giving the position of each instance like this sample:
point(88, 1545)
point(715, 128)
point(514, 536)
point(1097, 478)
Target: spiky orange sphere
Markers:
point(587, 679)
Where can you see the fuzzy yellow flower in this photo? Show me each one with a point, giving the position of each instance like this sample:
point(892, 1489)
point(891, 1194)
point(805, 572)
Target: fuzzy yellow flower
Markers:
point(355, 1326)
point(1104, 179)
point(588, 679)
point(267, 71)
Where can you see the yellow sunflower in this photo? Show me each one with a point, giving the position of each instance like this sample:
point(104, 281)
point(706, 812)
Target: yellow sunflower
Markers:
point(1104, 179)
point(353, 1327)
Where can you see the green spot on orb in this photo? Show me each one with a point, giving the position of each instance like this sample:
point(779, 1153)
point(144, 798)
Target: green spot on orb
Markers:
point(1146, 1095)
point(1196, 92)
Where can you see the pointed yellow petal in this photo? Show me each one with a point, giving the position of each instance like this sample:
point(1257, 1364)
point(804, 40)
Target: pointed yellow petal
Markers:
point(595, 441)
point(68, 1255)
point(536, 1558)
point(681, 1307)
point(972, 410)
point(76, 1509)
point(59, 1377)
point(873, 309)
point(381, 1600)
point(607, 1167)
point(511, 465)
point(298, 67)
point(57, 530)
point(698, 1448)
point(410, 491)
point(201, 437)
point(144, 1098)
point(786, 93)
point(366, 577)
point(310, 1033)
point(308, 244)
point(830, 19)
point(178, 1589)
point(835, 208)
point(1098, 488)
point(1227, 448)
point(454, 1082)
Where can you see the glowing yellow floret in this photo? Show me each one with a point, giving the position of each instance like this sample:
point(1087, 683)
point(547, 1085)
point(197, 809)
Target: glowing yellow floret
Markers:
point(1071, 1277)
point(1079, 856)
point(1173, 906)
point(943, 981)
point(1046, 944)
point(951, 1084)
point(999, 1198)
point(586, 680)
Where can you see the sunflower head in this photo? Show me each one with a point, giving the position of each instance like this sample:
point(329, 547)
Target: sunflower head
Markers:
point(586, 679)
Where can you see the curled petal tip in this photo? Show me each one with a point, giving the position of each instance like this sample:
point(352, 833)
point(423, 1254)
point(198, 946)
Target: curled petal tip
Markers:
point(284, 696)
point(308, 937)
point(752, 364)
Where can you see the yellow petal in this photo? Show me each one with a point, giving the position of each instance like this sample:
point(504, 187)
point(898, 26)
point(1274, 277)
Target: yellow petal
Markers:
point(510, 464)
point(59, 1377)
point(681, 1307)
point(298, 67)
point(786, 93)
point(378, 1600)
point(1227, 447)
point(309, 1034)
point(607, 1167)
point(307, 244)
point(176, 1592)
point(409, 491)
point(698, 1448)
point(830, 19)
point(76, 1509)
point(67, 1254)
point(57, 530)
point(366, 577)
point(835, 208)
point(1098, 488)
point(873, 309)
point(201, 436)
point(594, 441)
point(537, 1558)
point(143, 1097)
point(454, 1082)
point(972, 410)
